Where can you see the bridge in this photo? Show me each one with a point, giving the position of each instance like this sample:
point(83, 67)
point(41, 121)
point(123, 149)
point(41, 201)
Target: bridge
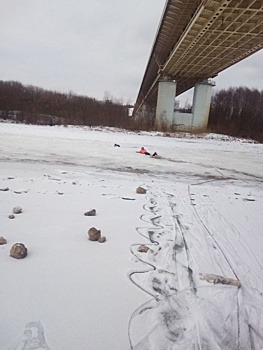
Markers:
point(196, 40)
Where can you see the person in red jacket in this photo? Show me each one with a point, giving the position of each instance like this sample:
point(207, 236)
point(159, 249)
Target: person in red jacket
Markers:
point(143, 151)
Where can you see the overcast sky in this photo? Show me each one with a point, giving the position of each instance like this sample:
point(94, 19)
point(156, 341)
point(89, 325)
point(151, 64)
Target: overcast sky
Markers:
point(91, 46)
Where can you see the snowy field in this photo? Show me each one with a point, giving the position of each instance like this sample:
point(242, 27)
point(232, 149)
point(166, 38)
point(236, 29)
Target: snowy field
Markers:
point(202, 214)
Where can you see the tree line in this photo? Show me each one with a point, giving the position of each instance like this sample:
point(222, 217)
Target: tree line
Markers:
point(237, 112)
point(34, 105)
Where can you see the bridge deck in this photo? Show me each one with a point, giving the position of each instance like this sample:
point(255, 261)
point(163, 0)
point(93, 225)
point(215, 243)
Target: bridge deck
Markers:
point(197, 39)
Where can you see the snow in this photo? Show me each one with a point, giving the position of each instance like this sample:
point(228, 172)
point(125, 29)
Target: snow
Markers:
point(202, 214)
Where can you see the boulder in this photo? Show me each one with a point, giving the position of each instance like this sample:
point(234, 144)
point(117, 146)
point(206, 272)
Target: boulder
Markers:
point(18, 251)
point(90, 213)
point(11, 216)
point(4, 189)
point(17, 210)
point(102, 239)
point(94, 234)
point(2, 240)
point(143, 249)
point(140, 190)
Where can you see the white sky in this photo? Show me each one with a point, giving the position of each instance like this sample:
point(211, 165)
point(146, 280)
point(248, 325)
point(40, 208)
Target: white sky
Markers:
point(91, 46)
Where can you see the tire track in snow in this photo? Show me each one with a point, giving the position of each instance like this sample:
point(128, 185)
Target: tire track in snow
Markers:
point(212, 236)
point(152, 233)
point(156, 229)
point(249, 176)
point(179, 227)
point(228, 262)
point(175, 324)
point(175, 247)
point(248, 290)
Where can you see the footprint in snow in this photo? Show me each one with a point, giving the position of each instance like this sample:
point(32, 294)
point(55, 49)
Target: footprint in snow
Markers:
point(33, 338)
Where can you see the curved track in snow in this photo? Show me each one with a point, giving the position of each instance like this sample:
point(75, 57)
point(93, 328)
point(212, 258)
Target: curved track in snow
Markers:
point(185, 312)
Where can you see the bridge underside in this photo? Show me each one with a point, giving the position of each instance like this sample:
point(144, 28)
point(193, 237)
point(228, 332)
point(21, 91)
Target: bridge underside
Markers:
point(197, 39)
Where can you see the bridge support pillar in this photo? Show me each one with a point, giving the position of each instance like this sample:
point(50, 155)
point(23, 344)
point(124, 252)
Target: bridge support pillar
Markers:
point(165, 103)
point(201, 104)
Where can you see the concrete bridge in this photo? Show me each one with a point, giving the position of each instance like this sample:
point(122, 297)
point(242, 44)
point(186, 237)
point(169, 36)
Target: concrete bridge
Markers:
point(196, 40)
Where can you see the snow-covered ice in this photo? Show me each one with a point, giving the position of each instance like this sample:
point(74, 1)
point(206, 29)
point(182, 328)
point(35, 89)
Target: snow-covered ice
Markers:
point(202, 214)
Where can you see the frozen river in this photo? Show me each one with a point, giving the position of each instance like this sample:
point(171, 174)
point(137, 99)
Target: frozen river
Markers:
point(201, 218)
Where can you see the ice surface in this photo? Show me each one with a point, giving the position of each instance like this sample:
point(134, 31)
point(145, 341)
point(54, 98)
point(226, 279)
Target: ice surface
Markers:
point(202, 214)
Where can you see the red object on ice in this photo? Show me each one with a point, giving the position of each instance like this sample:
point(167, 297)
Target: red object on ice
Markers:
point(142, 150)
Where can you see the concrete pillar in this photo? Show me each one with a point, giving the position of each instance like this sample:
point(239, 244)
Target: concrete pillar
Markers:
point(165, 103)
point(201, 104)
